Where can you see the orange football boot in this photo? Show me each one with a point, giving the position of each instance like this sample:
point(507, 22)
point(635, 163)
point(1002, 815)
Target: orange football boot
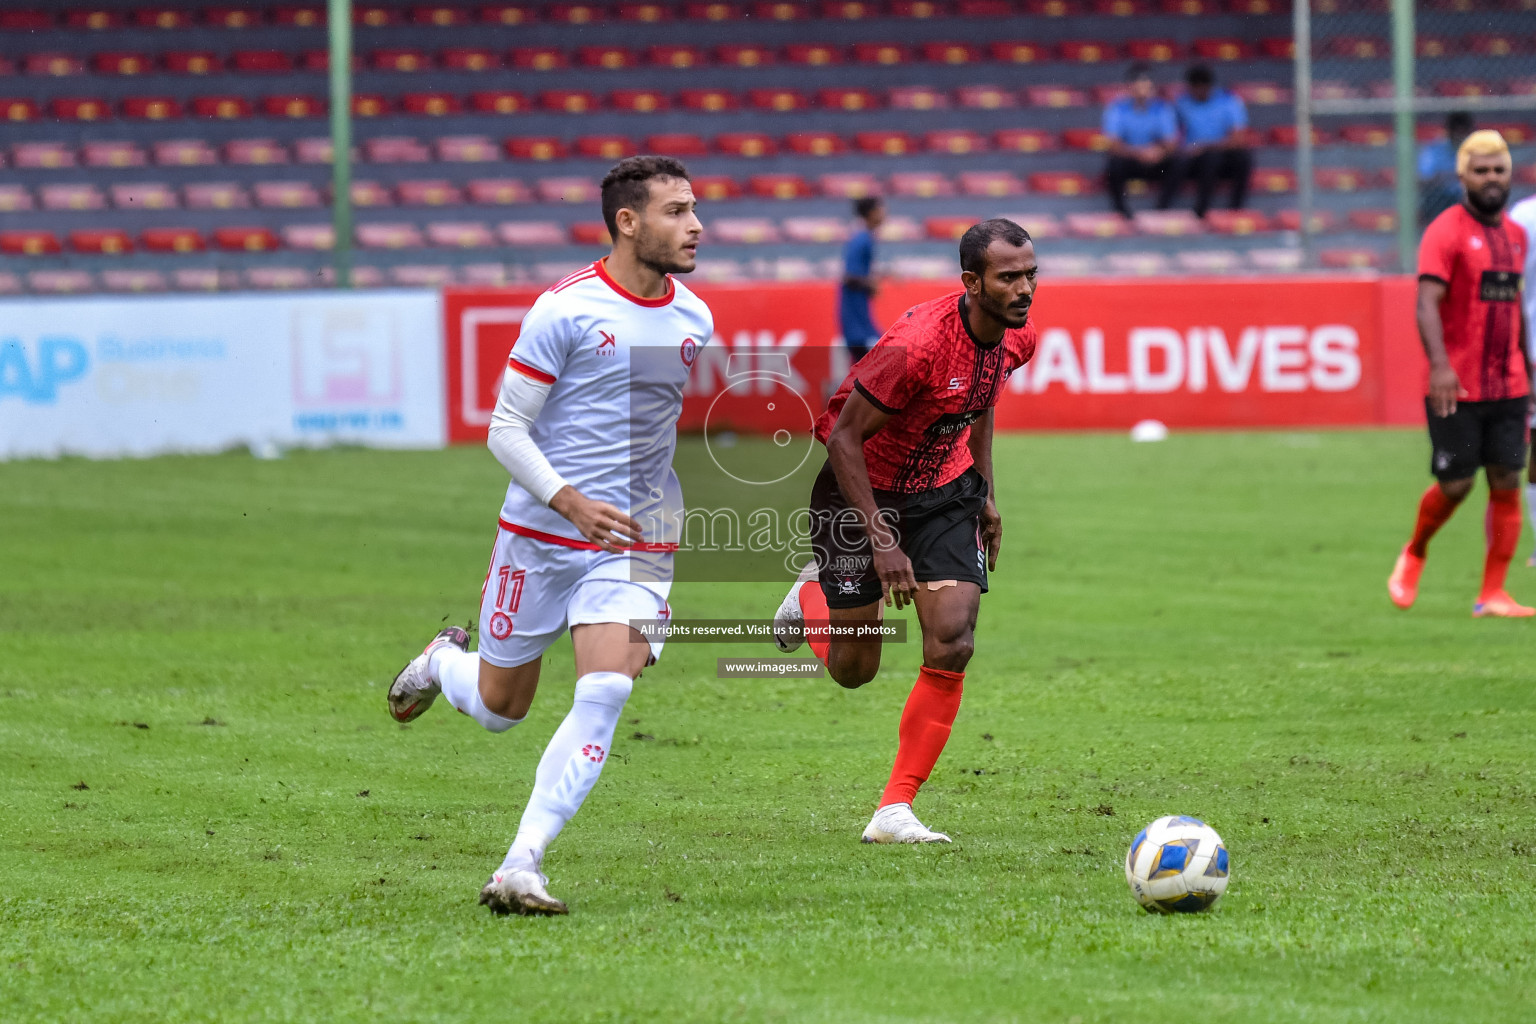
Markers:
point(1501, 606)
point(1403, 584)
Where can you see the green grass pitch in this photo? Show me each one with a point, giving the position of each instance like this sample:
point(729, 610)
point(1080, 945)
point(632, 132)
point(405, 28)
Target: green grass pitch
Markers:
point(208, 815)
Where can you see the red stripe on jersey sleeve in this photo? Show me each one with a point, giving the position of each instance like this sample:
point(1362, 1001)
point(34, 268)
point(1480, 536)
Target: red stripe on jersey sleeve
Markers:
point(532, 373)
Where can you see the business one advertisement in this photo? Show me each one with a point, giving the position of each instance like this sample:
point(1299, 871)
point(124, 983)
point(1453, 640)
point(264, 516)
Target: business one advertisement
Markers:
point(143, 376)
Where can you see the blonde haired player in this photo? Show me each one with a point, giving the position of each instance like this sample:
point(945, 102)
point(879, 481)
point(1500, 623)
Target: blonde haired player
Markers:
point(1473, 329)
point(586, 424)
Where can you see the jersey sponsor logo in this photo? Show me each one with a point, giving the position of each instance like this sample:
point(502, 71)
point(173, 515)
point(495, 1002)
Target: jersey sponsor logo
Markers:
point(608, 346)
point(689, 351)
point(955, 384)
point(953, 422)
point(1499, 286)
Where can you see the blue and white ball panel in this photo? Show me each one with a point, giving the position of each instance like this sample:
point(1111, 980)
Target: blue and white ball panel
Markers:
point(1177, 864)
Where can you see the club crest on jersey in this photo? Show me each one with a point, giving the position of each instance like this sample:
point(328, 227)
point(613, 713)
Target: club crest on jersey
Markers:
point(501, 626)
point(608, 346)
point(689, 350)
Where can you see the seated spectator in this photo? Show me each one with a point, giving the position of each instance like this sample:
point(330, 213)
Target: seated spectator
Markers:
point(1213, 121)
point(1143, 142)
point(1439, 188)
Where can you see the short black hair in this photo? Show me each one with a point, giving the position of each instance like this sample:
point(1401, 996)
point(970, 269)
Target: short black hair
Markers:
point(866, 205)
point(978, 237)
point(1198, 75)
point(1459, 123)
point(1140, 69)
point(627, 185)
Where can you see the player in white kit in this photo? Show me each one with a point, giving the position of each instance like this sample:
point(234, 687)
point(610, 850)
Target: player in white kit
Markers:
point(586, 424)
point(1524, 214)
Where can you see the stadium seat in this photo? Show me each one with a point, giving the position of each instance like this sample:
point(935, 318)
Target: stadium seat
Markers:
point(988, 9)
point(439, 15)
point(1167, 223)
point(815, 143)
point(1236, 222)
point(881, 53)
point(990, 183)
point(121, 63)
point(576, 14)
point(286, 194)
point(258, 152)
point(752, 144)
point(14, 198)
point(530, 232)
point(900, 228)
point(53, 65)
point(849, 185)
point(819, 230)
point(1055, 96)
point(955, 142)
point(1089, 139)
point(608, 58)
point(484, 275)
point(183, 153)
point(1039, 225)
point(568, 101)
point(590, 233)
point(1342, 179)
point(466, 149)
point(951, 53)
point(1262, 94)
point(80, 108)
point(1275, 260)
point(133, 281)
point(499, 102)
point(638, 101)
point(1154, 51)
point(916, 97)
point(1326, 89)
point(1098, 225)
point(1209, 261)
point(779, 186)
point(1526, 174)
point(1357, 48)
point(1431, 47)
point(42, 155)
point(497, 191)
point(947, 229)
point(471, 234)
point(778, 100)
point(32, 242)
point(1350, 259)
point(191, 62)
point(226, 108)
point(745, 230)
point(71, 197)
point(848, 10)
point(113, 154)
point(1060, 183)
point(1222, 49)
point(421, 275)
point(716, 187)
point(60, 282)
point(1278, 47)
point(676, 57)
point(708, 101)
point(371, 105)
point(1087, 51)
point(780, 10)
point(232, 17)
point(280, 278)
point(396, 149)
point(261, 62)
point(1138, 264)
point(1366, 134)
point(1493, 44)
point(605, 147)
point(538, 58)
point(1274, 180)
point(214, 196)
point(712, 10)
point(536, 148)
point(676, 144)
point(917, 9)
point(430, 104)
point(435, 192)
point(375, 15)
point(309, 236)
point(812, 54)
point(100, 241)
point(1023, 140)
point(1019, 52)
point(567, 190)
point(293, 106)
point(468, 58)
point(299, 15)
point(847, 99)
point(371, 194)
point(1460, 88)
point(1290, 220)
point(26, 20)
point(1380, 220)
point(172, 240)
point(921, 184)
point(144, 195)
point(17, 110)
point(388, 236)
point(151, 108)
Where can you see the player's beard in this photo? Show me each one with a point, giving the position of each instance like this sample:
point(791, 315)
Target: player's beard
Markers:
point(1489, 199)
point(998, 309)
point(654, 253)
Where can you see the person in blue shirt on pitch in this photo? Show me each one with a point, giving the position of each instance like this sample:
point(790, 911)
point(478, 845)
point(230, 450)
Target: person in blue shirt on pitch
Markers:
point(853, 316)
point(1213, 121)
point(1143, 142)
point(1439, 187)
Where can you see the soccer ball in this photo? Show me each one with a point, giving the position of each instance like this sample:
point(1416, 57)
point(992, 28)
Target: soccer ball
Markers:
point(1177, 864)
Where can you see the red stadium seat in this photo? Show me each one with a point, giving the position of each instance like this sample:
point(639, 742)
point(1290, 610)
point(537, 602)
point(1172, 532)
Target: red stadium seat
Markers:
point(536, 148)
point(1262, 94)
point(255, 151)
point(1122, 8)
point(921, 184)
point(916, 97)
point(1225, 49)
point(507, 14)
point(375, 15)
point(1494, 44)
point(191, 62)
point(26, 21)
point(590, 233)
point(1290, 220)
point(644, 13)
point(320, 61)
point(1167, 223)
point(460, 234)
point(293, 106)
point(881, 53)
point(499, 102)
point(847, 99)
point(605, 147)
point(677, 57)
point(748, 55)
point(404, 60)
point(1278, 47)
point(947, 229)
point(80, 108)
point(1098, 225)
point(1055, 96)
point(144, 195)
point(1324, 89)
point(134, 281)
point(388, 236)
point(1432, 47)
point(780, 10)
point(955, 142)
point(1350, 259)
point(299, 15)
point(1189, 8)
point(151, 108)
point(396, 149)
point(716, 187)
point(708, 101)
point(1258, 8)
point(93, 19)
point(1089, 139)
point(1366, 134)
point(29, 243)
point(497, 191)
point(1342, 179)
point(1019, 52)
point(433, 192)
point(113, 154)
point(676, 144)
point(991, 9)
point(815, 143)
point(986, 97)
point(118, 63)
point(779, 100)
point(1087, 51)
point(42, 155)
point(568, 101)
point(16, 110)
point(1514, 134)
point(1526, 174)
point(71, 197)
point(1053, 8)
point(568, 190)
point(231, 17)
point(1357, 47)
point(745, 230)
point(1024, 140)
point(1285, 135)
point(539, 58)
point(172, 240)
point(1378, 219)
point(779, 186)
point(268, 62)
point(712, 10)
point(439, 15)
point(228, 108)
point(1236, 222)
point(849, 185)
point(530, 233)
point(1462, 87)
point(430, 104)
point(466, 149)
point(464, 58)
point(576, 14)
point(215, 196)
point(100, 241)
point(951, 53)
point(813, 54)
point(885, 143)
point(638, 101)
point(371, 194)
point(286, 195)
point(990, 183)
point(920, 10)
point(608, 58)
point(848, 10)
point(1060, 183)
point(1156, 51)
point(14, 198)
point(816, 230)
point(749, 144)
point(184, 153)
point(1274, 180)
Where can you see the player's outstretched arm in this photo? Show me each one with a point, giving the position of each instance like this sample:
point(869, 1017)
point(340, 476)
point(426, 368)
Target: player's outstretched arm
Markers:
point(1444, 387)
point(980, 443)
point(858, 422)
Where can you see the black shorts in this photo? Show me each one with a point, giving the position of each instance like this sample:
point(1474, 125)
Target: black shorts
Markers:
point(939, 530)
point(1477, 434)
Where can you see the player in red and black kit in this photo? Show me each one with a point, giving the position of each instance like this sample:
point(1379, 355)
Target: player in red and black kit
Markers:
point(1473, 329)
point(903, 512)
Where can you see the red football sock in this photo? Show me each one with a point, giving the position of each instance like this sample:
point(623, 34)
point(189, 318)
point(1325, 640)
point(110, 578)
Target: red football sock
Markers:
point(1503, 528)
point(813, 604)
point(1434, 509)
point(925, 725)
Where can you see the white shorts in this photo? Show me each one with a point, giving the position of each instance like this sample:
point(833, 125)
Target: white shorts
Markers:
point(536, 589)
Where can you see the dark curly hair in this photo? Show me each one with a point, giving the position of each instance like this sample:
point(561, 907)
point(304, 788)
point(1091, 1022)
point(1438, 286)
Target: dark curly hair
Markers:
point(627, 185)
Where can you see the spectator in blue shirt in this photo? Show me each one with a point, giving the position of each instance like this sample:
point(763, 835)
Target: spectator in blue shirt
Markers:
point(1143, 142)
point(1439, 188)
point(1213, 121)
point(859, 330)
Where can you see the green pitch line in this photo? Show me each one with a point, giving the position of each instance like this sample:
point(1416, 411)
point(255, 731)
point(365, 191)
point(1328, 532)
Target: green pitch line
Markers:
point(208, 815)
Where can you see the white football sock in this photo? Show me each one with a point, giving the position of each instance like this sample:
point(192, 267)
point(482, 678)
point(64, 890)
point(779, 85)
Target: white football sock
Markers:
point(458, 673)
point(1530, 503)
point(570, 765)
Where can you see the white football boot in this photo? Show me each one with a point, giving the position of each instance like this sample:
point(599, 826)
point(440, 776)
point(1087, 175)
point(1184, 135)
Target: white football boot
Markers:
point(414, 690)
point(789, 620)
point(520, 891)
point(895, 823)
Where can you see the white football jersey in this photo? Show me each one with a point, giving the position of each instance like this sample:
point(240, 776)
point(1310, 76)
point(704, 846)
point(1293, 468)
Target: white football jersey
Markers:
point(1524, 214)
point(616, 364)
